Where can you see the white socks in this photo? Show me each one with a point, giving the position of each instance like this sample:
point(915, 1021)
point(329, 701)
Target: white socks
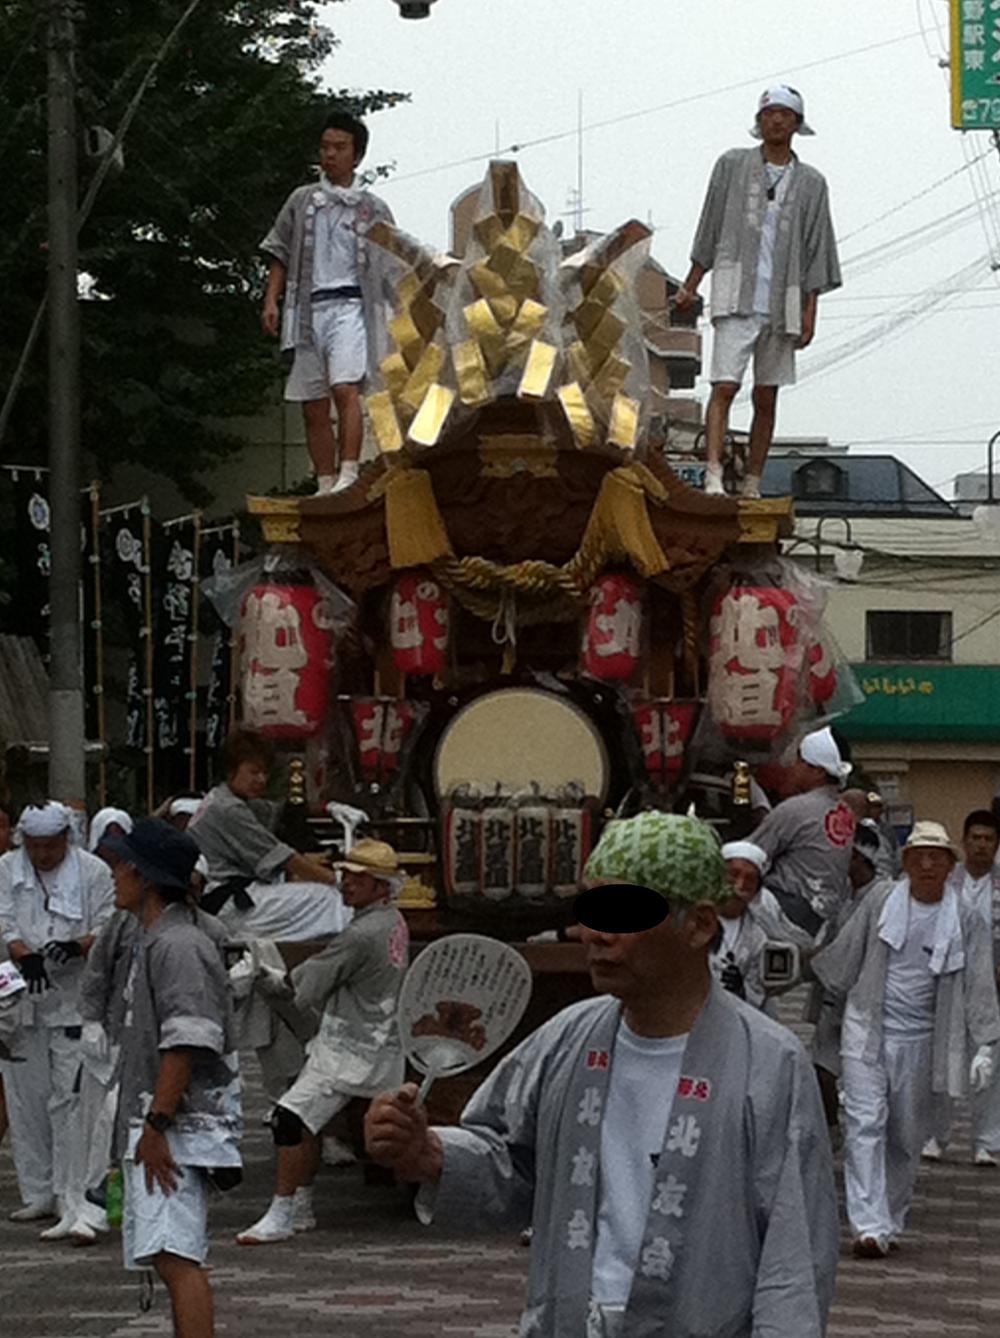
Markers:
point(303, 1217)
point(325, 483)
point(713, 481)
point(348, 474)
point(276, 1224)
point(751, 487)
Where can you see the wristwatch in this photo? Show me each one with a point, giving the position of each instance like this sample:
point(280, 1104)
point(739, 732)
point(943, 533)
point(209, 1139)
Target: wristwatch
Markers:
point(159, 1120)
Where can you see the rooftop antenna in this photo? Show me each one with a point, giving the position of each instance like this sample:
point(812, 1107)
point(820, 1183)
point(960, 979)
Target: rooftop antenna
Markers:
point(576, 207)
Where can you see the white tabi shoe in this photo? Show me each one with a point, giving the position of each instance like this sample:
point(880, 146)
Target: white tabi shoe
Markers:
point(34, 1212)
point(984, 1157)
point(91, 1223)
point(336, 1153)
point(303, 1217)
point(932, 1150)
point(275, 1225)
point(713, 482)
point(63, 1229)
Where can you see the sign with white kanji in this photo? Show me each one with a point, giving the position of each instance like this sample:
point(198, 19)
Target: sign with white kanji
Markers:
point(975, 64)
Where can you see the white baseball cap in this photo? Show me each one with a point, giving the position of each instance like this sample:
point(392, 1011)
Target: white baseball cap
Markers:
point(782, 96)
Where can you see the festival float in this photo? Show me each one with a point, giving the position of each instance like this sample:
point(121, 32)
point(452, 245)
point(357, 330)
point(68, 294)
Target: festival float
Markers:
point(519, 621)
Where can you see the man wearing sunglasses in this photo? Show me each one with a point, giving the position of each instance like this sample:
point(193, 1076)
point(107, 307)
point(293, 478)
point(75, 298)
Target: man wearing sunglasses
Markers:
point(667, 1140)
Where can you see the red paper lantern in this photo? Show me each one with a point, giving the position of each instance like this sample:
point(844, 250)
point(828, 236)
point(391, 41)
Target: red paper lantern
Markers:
point(822, 673)
point(419, 621)
point(678, 725)
point(648, 721)
point(381, 728)
point(287, 654)
point(612, 637)
point(754, 660)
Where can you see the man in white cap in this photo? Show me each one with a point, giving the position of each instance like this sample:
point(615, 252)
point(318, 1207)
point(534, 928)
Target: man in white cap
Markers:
point(766, 234)
point(915, 966)
point(54, 898)
point(809, 837)
point(735, 957)
point(353, 987)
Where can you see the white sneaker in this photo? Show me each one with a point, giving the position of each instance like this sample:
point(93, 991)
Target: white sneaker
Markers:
point(275, 1225)
point(336, 1153)
point(713, 482)
point(303, 1217)
point(932, 1150)
point(34, 1212)
point(984, 1157)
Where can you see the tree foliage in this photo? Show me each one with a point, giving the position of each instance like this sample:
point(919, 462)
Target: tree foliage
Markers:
point(171, 342)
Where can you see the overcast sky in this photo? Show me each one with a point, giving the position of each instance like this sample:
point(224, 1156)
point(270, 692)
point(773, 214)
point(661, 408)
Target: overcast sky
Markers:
point(483, 72)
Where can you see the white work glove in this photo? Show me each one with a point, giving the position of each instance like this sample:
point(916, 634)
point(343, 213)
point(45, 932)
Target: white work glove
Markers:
point(94, 1043)
point(981, 1069)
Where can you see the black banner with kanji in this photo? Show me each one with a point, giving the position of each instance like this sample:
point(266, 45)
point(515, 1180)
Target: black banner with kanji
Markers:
point(217, 554)
point(175, 577)
point(125, 587)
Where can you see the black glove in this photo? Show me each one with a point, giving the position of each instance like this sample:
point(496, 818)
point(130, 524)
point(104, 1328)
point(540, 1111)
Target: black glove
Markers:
point(62, 951)
point(732, 980)
point(32, 967)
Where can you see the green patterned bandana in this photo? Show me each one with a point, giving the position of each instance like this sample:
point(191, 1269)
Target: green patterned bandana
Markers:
point(676, 856)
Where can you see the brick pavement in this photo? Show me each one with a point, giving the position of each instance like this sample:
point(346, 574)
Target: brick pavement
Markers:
point(371, 1269)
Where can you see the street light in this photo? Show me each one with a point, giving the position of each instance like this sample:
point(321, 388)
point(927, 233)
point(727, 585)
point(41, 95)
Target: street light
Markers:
point(414, 9)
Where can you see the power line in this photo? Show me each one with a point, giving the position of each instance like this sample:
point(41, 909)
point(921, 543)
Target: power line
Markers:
point(706, 94)
point(912, 199)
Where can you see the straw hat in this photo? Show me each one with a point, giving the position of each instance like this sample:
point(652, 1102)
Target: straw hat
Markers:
point(374, 857)
point(930, 835)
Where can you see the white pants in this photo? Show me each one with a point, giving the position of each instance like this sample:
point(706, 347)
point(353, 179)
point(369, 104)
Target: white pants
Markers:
point(42, 1108)
point(985, 1112)
point(94, 1129)
point(888, 1109)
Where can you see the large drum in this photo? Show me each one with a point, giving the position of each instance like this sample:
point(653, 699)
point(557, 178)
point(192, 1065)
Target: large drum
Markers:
point(519, 737)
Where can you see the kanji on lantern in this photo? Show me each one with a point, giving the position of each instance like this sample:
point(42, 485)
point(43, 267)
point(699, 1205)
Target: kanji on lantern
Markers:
point(419, 624)
point(613, 634)
point(754, 659)
point(822, 673)
point(287, 654)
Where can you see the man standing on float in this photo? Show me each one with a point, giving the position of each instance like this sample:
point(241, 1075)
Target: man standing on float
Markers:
point(319, 268)
point(765, 233)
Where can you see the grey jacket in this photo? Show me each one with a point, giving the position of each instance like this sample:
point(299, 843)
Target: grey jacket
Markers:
point(727, 241)
point(854, 968)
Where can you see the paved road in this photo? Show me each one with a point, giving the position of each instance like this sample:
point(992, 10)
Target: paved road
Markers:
point(372, 1269)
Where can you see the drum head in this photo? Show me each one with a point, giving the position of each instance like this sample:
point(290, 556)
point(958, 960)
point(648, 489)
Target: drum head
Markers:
point(517, 736)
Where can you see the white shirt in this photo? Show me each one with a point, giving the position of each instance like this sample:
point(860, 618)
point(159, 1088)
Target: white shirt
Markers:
point(644, 1074)
point(977, 893)
point(910, 988)
point(335, 254)
point(26, 916)
point(777, 180)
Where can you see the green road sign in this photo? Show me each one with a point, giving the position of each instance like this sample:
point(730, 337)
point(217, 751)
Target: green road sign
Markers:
point(975, 64)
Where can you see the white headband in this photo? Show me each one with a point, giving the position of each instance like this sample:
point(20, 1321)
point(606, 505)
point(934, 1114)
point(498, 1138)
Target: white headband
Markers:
point(189, 806)
point(820, 749)
point(745, 850)
point(102, 820)
point(47, 819)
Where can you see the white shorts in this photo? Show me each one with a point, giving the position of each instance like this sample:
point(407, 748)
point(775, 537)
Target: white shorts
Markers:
point(314, 1099)
point(735, 338)
point(159, 1223)
point(337, 355)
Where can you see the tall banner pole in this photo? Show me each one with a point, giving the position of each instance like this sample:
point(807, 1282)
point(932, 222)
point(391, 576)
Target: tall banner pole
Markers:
point(234, 640)
point(193, 661)
point(147, 632)
point(98, 685)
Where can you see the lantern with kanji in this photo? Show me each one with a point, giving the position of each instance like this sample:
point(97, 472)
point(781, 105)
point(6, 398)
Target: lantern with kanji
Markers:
point(381, 729)
point(613, 633)
point(822, 673)
point(286, 654)
point(418, 624)
point(664, 728)
point(754, 660)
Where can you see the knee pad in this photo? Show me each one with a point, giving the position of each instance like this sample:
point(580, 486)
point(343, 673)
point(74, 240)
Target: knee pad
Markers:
point(286, 1127)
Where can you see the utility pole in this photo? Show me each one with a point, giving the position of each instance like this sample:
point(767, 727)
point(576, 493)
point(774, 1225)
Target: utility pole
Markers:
point(67, 779)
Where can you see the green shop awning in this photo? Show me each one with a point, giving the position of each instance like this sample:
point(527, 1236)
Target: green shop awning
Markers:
point(949, 702)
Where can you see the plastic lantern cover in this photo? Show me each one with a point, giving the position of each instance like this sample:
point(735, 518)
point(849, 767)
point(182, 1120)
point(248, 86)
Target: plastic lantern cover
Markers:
point(754, 660)
point(419, 624)
point(612, 636)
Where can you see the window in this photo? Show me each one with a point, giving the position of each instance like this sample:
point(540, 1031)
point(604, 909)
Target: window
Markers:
point(909, 635)
point(819, 481)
